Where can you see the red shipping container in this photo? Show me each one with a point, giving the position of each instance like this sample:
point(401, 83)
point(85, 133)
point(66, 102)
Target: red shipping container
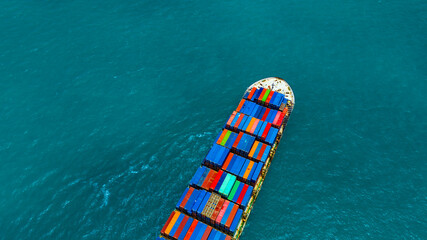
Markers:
point(276, 118)
point(181, 226)
point(209, 179)
point(254, 126)
point(187, 196)
point(242, 194)
point(216, 179)
point(240, 105)
point(216, 210)
point(221, 213)
point(221, 136)
point(280, 121)
point(251, 93)
point(231, 216)
point(231, 118)
point(191, 229)
point(267, 101)
point(227, 161)
point(282, 116)
point(262, 94)
point(167, 222)
point(285, 110)
point(261, 151)
point(267, 128)
point(207, 232)
point(236, 142)
point(239, 120)
point(267, 110)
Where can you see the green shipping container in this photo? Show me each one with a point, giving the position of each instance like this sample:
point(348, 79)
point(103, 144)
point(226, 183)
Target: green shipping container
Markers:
point(266, 95)
point(224, 183)
point(229, 185)
point(233, 190)
point(224, 140)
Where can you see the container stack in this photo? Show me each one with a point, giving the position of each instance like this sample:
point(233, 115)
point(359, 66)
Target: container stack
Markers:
point(219, 193)
point(183, 227)
point(214, 209)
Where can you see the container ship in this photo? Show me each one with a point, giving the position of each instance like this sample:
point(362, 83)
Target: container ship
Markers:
point(220, 196)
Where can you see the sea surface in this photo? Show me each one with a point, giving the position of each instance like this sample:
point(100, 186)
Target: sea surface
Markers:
point(107, 108)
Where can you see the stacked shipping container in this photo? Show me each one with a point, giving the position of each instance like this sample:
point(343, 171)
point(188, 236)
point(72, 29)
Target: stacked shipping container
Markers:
point(220, 190)
point(183, 227)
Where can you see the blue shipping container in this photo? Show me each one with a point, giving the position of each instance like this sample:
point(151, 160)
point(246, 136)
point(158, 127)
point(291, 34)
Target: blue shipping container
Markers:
point(182, 198)
point(236, 220)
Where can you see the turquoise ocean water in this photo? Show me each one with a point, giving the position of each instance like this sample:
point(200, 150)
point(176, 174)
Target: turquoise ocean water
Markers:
point(108, 107)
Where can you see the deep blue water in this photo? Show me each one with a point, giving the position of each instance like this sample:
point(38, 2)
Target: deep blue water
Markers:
point(108, 107)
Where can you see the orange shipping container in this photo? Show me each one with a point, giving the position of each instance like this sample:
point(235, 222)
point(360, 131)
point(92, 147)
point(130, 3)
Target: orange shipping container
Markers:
point(209, 179)
point(250, 125)
point(262, 94)
point(191, 229)
point(254, 126)
point(231, 216)
point(251, 153)
point(248, 170)
point(172, 223)
point(231, 118)
point(240, 105)
point(167, 223)
point(227, 161)
point(221, 136)
point(251, 93)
